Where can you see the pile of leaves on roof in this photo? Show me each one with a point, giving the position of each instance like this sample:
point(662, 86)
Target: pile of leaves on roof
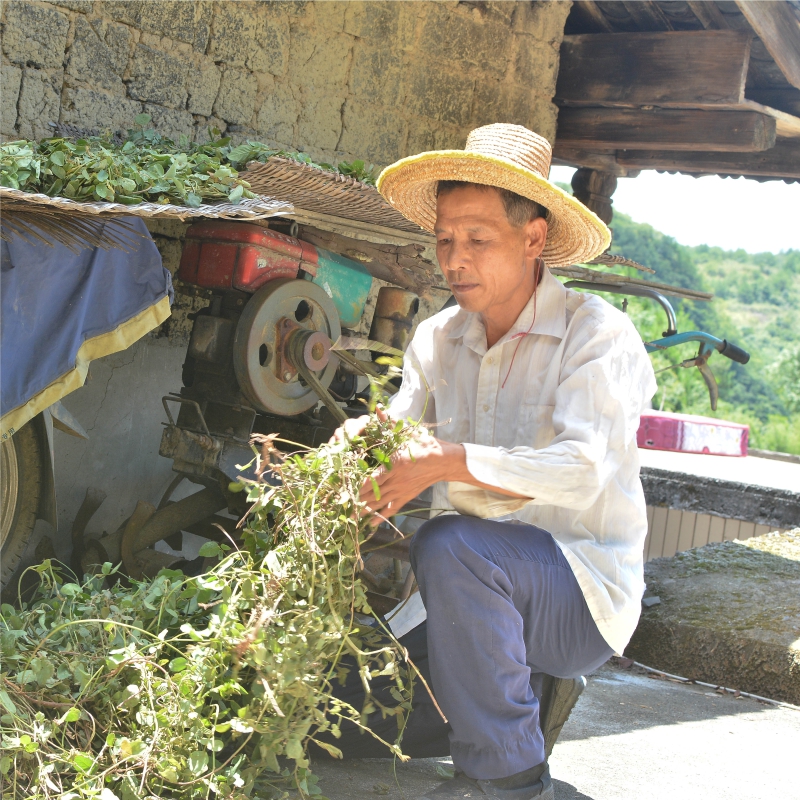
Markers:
point(144, 167)
point(208, 686)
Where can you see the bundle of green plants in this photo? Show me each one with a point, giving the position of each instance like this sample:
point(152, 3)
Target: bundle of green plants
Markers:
point(210, 686)
point(144, 167)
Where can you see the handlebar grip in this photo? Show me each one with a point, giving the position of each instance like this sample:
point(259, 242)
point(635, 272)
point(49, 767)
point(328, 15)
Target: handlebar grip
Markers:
point(734, 353)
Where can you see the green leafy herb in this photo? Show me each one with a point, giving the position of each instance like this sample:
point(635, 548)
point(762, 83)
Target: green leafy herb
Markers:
point(211, 686)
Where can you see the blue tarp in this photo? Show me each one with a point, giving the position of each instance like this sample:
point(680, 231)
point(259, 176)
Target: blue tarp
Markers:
point(60, 310)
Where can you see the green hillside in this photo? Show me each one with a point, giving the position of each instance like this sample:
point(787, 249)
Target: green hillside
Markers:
point(756, 306)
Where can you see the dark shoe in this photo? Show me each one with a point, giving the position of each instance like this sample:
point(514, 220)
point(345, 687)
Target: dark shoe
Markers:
point(559, 696)
point(532, 784)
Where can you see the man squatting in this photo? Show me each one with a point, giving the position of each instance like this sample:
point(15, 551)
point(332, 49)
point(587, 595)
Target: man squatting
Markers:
point(533, 576)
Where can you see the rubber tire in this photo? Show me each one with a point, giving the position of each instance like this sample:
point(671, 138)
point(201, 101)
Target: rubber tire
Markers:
point(31, 452)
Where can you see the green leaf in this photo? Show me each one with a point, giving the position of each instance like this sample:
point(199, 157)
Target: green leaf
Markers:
point(375, 488)
point(142, 119)
point(73, 715)
point(210, 550)
point(198, 762)
point(236, 194)
point(7, 702)
point(83, 762)
point(194, 200)
point(5, 765)
point(178, 664)
point(58, 158)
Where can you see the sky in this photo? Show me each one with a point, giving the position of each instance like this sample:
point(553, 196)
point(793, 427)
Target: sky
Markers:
point(723, 212)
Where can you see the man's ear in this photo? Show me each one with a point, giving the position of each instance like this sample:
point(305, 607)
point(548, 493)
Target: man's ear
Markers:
point(535, 236)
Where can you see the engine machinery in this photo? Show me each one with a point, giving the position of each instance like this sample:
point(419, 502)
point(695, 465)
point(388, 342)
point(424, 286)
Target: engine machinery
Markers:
point(259, 358)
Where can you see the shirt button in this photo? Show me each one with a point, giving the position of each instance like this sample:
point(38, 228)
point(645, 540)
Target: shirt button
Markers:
point(490, 360)
point(485, 407)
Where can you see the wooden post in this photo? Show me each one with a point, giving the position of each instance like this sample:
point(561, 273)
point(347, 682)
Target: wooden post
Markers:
point(594, 189)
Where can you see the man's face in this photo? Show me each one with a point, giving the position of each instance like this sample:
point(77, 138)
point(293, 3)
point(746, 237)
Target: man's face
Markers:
point(488, 263)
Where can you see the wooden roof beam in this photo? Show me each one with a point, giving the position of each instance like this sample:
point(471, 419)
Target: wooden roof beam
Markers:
point(592, 14)
point(778, 28)
point(648, 16)
point(672, 129)
point(672, 68)
point(711, 18)
point(781, 161)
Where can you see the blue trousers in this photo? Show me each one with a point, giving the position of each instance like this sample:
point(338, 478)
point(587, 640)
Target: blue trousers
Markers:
point(503, 607)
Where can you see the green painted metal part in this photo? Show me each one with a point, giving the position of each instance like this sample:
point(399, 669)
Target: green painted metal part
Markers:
point(346, 282)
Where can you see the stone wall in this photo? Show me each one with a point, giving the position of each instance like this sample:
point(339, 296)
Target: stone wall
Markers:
point(375, 80)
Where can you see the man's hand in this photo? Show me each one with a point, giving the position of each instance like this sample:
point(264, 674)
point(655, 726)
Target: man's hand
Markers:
point(424, 461)
point(355, 426)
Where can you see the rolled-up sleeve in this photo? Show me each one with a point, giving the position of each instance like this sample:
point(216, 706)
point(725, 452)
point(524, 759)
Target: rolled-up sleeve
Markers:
point(606, 381)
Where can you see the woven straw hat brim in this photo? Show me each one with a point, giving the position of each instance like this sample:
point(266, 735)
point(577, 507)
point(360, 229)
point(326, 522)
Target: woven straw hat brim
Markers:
point(575, 234)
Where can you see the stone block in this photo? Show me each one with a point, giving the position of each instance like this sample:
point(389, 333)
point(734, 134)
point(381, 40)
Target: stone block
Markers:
point(39, 102)
point(440, 95)
point(519, 105)
point(86, 108)
point(320, 121)
point(11, 77)
point(170, 122)
point(84, 6)
point(375, 21)
point(90, 60)
point(372, 132)
point(255, 35)
point(377, 74)
point(34, 34)
point(278, 114)
point(202, 82)
point(118, 39)
point(536, 65)
point(543, 21)
point(459, 40)
point(236, 99)
point(127, 11)
point(328, 16)
point(185, 21)
point(425, 135)
point(156, 77)
point(320, 62)
point(729, 615)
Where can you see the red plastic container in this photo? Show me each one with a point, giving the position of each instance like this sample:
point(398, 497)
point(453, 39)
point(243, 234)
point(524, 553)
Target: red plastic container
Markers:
point(685, 433)
point(220, 254)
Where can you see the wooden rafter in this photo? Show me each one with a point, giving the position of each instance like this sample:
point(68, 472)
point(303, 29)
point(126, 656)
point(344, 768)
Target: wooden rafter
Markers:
point(781, 161)
point(709, 15)
point(778, 27)
point(648, 16)
point(687, 68)
point(670, 128)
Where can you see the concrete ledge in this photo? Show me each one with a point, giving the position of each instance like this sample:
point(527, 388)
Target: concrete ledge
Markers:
point(759, 504)
point(729, 615)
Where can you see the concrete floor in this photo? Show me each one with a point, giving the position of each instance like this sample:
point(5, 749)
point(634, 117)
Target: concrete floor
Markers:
point(632, 737)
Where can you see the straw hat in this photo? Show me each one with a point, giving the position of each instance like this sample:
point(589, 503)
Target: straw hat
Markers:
point(510, 157)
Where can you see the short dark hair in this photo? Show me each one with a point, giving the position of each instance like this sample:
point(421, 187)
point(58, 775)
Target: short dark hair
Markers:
point(519, 209)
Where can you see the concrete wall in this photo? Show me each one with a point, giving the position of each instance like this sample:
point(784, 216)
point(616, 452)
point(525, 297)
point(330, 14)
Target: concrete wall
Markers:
point(376, 80)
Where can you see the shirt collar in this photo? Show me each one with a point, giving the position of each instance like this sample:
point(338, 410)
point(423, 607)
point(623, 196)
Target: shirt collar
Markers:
point(548, 302)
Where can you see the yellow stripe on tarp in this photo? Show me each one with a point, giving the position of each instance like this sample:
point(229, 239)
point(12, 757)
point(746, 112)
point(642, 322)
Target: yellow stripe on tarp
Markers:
point(122, 337)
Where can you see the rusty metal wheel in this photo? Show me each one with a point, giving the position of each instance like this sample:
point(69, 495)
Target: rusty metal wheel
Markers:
point(278, 311)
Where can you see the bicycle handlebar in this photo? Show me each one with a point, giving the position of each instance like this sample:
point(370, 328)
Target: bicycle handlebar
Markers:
point(722, 346)
point(733, 352)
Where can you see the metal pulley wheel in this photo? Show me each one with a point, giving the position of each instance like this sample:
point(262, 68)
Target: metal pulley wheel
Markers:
point(286, 328)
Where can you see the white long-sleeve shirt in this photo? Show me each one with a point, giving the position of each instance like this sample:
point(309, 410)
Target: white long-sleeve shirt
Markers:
point(558, 426)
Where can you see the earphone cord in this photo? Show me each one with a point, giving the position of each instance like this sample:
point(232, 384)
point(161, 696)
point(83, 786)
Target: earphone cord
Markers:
point(521, 336)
